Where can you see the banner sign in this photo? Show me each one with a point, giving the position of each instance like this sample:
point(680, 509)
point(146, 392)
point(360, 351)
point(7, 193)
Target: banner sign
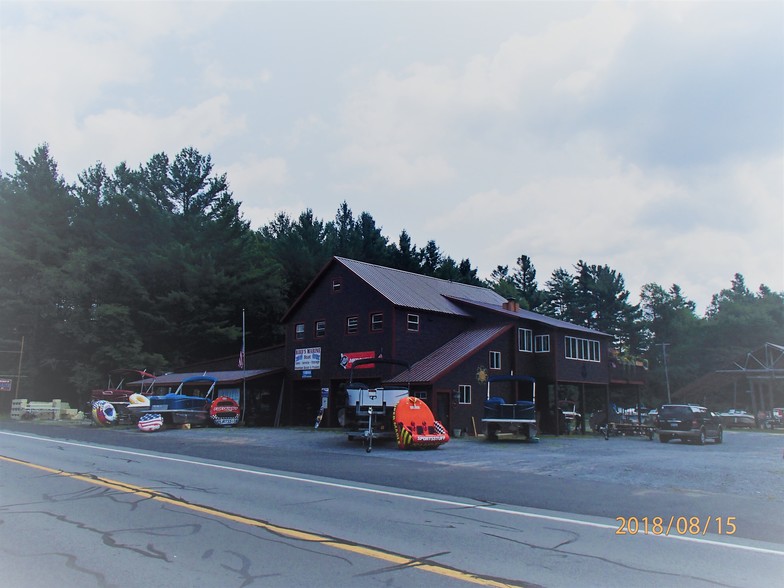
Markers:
point(5, 385)
point(308, 358)
point(347, 359)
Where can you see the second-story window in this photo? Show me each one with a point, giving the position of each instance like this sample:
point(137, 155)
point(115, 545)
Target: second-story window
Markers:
point(337, 285)
point(495, 360)
point(352, 324)
point(377, 321)
point(412, 322)
point(320, 328)
point(542, 343)
point(525, 340)
point(299, 331)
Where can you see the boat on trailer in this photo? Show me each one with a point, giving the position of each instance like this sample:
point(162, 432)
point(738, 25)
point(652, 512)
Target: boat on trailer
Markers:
point(179, 408)
point(368, 412)
point(518, 417)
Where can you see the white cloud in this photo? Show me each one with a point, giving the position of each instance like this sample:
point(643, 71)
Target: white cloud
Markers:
point(128, 135)
point(254, 174)
point(644, 135)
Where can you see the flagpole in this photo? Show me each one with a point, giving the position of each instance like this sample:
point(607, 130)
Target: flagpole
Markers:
point(243, 366)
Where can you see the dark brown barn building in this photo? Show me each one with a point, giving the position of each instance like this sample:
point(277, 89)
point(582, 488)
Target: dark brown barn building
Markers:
point(454, 336)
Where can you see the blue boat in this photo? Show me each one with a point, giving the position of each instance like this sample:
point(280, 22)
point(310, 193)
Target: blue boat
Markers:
point(178, 408)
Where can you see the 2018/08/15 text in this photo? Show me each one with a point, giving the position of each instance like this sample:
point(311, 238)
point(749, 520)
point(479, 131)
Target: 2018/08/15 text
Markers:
point(692, 526)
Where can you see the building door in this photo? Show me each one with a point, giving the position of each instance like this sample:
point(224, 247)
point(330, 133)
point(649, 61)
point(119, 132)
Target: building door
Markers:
point(306, 403)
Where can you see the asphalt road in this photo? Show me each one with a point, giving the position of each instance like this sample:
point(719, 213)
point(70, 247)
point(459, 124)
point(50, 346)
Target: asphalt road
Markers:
point(620, 477)
point(82, 505)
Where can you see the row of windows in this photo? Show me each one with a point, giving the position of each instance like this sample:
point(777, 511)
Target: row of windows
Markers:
point(528, 343)
point(352, 325)
point(575, 348)
point(582, 349)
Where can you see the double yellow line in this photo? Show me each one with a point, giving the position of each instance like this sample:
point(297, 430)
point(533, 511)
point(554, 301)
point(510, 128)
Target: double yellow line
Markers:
point(393, 558)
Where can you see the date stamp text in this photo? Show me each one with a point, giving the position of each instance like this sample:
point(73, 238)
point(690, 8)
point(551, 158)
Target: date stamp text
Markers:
point(676, 525)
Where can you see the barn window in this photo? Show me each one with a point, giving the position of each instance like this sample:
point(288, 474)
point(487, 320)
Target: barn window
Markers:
point(352, 324)
point(525, 340)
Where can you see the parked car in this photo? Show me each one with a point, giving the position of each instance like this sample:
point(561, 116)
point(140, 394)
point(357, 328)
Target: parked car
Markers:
point(688, 422)
point(737, 419)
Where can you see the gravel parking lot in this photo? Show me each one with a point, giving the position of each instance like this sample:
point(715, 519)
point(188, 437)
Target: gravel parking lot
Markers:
point(748, 463)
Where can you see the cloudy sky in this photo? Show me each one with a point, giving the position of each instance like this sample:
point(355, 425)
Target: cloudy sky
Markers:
point(648, 136)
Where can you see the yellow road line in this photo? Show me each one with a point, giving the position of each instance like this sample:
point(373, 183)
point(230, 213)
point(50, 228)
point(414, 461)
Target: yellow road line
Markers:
point(400, 560)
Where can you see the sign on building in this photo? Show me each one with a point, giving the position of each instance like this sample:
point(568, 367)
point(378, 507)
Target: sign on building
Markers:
point(307, 358)
point(347, 359)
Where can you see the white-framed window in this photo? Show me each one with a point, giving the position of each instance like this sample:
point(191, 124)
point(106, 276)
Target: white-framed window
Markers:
point(299, 331)
point(337, 284)
point(525, 340)
point(495, 360)
point(581, 349)
point(542, 344)
point(320, 328)
point(377, 321)
point(464, 394)
point(352, 324)
point(412, 322)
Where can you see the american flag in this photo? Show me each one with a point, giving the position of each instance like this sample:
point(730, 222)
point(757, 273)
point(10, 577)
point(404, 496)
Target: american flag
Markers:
point(150, 422)
point(241, 362)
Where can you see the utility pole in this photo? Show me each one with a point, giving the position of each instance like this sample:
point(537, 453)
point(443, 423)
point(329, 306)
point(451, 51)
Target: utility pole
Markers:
point(666, 373)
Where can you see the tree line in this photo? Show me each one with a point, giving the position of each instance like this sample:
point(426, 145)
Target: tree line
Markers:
point(152, 267)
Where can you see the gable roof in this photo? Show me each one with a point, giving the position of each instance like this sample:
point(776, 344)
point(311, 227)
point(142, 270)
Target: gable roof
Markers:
point(535, 317)
point(419, 292)
point(449, 355)
point(410, 290)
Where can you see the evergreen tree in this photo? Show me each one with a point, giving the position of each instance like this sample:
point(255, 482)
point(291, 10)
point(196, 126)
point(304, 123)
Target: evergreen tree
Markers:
point(524, 280)
point(404, 256)
point(739, 320)
point(35, 238)
point(431, 258)
point(502, 283)
point(560, 297)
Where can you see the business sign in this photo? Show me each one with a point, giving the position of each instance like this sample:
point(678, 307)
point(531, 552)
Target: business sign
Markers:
point(5, 384)
point(308, 358)
point(347, 359)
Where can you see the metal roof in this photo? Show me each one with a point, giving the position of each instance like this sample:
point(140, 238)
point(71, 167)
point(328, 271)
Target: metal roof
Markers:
point(228, 377)
point(534, 317)
point(449, 355)
point(417, 291)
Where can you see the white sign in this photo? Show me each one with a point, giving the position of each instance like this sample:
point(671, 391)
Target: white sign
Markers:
point(308, 358)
